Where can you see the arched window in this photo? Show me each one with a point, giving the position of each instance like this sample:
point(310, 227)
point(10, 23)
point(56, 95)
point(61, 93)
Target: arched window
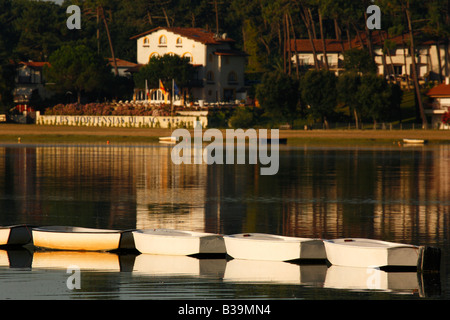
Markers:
point(153, 54)
point(146, 42)
point(188, 55)
point(179, 42)
point(163, 40)
point(232, 77)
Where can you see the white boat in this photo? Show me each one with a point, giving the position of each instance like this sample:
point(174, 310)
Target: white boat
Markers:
point(15, 235)
point(168, 140)
point(77, 238)
point(359, 252)
point(414, 141)
point(260, 246)
point(176, 242)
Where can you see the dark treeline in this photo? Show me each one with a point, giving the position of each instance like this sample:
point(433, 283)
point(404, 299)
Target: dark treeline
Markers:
point(34, 30)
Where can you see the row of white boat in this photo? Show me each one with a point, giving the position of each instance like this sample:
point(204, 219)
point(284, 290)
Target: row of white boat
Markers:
point(354, 252)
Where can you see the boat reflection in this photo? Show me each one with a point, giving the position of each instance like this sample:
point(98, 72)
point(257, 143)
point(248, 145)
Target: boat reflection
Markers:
point(367, 279)
point(16, 258)
point(230, 271)
point(168, 265)
point(275, 272)
point(83, 259)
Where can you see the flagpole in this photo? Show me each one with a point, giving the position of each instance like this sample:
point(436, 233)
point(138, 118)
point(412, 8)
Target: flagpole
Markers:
point(173, 93)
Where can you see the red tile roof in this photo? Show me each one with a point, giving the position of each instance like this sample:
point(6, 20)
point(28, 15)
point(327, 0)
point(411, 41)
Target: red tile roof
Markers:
point(34, 64)
point(230, 53)
point(332, 45)
point(197, 34)
point(122, 63)
point(378, 37)
point(442, 90)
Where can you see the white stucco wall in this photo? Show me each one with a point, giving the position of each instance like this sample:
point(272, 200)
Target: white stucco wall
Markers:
point(196, 50)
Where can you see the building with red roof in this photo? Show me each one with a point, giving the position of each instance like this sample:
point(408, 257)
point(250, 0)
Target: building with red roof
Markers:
point(440, 96)
point(219, 66)
point(29, 79)
point(392, 54)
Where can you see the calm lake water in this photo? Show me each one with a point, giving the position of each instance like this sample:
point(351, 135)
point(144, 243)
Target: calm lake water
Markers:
point(392, 193)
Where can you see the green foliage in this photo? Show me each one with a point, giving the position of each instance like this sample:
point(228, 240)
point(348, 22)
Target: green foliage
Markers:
point(243, 117)
point(76, 69)
point(219, 118)
point(318, 91)
point(166, 68)
point(359, 61)
point(377, 98)
point(278, 95)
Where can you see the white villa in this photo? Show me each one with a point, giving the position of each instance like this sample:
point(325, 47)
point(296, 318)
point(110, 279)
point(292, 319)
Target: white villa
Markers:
point(219, 67)
point(431, 58)
point(440, 96)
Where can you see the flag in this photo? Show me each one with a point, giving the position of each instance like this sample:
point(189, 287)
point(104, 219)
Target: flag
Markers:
point(161, 87)
point(175, 89)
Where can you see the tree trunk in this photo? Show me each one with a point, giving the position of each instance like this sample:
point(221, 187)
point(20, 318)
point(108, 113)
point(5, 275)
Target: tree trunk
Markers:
point(305, 17)
point(110, 42)
point(414, 66)
point(313, 27)
point(390, 57)
point(327, 67)
point(368, 37)
point(295, 48)
point(349, 39)
point(406, 65)
point(166, 17)
point(438, 49)
point(356, 118)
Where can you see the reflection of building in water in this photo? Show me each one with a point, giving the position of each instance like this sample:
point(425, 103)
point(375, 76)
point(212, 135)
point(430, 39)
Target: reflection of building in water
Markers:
point(85, 186)
point(18, 178)
point(416, 205)
point(167, 195)
point(385, 194)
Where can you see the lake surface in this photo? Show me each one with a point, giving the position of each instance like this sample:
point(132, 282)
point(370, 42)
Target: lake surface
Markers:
point(392, 193)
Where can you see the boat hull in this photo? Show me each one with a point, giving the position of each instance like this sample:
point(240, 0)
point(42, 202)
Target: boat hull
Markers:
point(370, 253)
point(257, 246)
point(15, 235)
point(74, 238)
point(414, 141)
point(174, 242)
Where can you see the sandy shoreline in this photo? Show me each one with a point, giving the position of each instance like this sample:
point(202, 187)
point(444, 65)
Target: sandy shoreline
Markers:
point(68, 134)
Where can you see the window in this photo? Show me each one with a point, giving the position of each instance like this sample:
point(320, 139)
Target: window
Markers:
point(179, 42)
point(146, 42)
point(211, 57)
point(210, 77)
point(188, 55)
point(232, 78)
point(154, 54)
point(163, 41)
